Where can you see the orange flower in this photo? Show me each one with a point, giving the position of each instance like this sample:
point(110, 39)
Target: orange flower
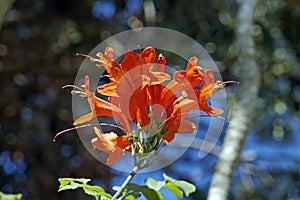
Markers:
point(145, 108)
point(137, 67)
point(110, 143)
point(177, 122)
point(100, 107)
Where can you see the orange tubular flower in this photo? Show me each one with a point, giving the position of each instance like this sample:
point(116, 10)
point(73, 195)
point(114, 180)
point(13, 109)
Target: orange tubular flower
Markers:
point(177, 122)
point(148, 111)
point(110, 143)
point(99, 107)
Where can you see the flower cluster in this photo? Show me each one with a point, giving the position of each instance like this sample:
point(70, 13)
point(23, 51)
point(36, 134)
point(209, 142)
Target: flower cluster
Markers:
point(148, 111)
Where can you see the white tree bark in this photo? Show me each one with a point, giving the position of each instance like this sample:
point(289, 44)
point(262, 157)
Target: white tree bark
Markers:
point(244, 109)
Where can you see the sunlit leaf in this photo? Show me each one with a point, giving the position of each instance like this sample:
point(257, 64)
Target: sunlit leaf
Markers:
point(187, 187)
point(74, 183)
point(174, 189)
point(66, 181)
point(10, 196)
point(70, 186)
point(148, 193)
point(95, 191)
point(132, 195)
point(154, 184)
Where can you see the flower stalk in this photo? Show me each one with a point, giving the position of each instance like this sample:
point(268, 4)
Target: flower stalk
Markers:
point(125, 183)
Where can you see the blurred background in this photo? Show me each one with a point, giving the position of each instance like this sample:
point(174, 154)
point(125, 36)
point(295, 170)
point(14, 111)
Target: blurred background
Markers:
point(38, 43)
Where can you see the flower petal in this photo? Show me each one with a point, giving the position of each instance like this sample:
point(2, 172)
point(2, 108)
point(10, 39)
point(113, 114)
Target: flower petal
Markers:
point(131, 60)
point(192, 62)
point(108, 89)
point(109, 54)
point(102, 142)
point(110, 143)
point(84, 118)
point(114, 156)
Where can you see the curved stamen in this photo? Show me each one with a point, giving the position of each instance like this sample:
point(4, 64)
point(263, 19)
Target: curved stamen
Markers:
point(85, 126)
point(72, 86)
point(104, 76)
point(190, 112)
point(215, 116)
point(103, 62)
point(166, 120)
point(233, 82)
point(85, 55)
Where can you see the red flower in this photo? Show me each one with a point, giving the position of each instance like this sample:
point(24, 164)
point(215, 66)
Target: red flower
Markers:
point(110, 143)
point(144, 106)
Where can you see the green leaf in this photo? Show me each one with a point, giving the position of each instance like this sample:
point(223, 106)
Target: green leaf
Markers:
point(92, 190)
point(154, 184)
point(66, 181)
point(70, 186)
point(132, 195)
point(146, 191)
point(187, 187)
point(95, 191)
point(151, 194)
point(10, 196)
point(174, 189)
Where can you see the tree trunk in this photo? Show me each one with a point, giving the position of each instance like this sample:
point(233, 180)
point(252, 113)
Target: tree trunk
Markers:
point(247, 70)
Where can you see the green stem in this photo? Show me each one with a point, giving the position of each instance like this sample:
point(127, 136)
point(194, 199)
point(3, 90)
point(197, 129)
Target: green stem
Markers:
point(126, 182)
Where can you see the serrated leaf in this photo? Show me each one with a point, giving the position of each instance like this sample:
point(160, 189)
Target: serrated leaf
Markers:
point(10, 196)
point(93, 190)
point(187, 187)
point(70, 186)
point(174, 189)
point(66, 181)
point(154, 184)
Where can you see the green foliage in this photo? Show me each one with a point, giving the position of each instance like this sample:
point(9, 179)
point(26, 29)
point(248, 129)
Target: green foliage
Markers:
point(132, 191)
point(151, 188)
point(187, 187)
point(10, 196)
point(74, 183)
point(145, 190)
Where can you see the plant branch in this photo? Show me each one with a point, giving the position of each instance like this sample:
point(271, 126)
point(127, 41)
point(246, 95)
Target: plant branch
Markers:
point(125, 183)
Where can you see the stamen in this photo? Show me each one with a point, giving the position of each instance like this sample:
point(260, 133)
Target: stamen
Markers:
point(165, 121)
point(215, 116)
point(104, 76)
point(190, 112)
point(72, 86)
point(233, 82)
point(84, 55)
point(80, 93)
point(92, 59)
point(220, 85)
point(85, 126)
